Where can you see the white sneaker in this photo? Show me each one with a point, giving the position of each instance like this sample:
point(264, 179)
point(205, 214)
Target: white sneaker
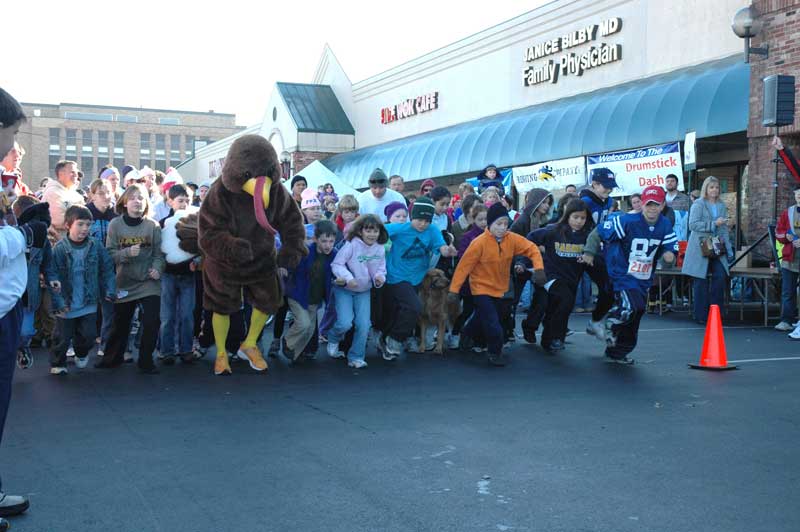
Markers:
point(784, 326)
point(127, 356)
point(357, 364)
point(795, 324)
point(452, 340)
point(333, 350)
point(81, 363)
point(99, 353)
point(59, 370)
point(596, 329)
point(795, 334)
point(412, 345)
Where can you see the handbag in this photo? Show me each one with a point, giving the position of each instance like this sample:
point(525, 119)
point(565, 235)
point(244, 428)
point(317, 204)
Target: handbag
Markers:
point(712, 247)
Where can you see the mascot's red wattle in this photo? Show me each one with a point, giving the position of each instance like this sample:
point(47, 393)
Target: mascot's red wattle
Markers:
point(237, 224)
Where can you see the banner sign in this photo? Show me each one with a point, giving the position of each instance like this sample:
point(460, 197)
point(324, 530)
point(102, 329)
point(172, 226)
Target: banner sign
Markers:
point(690, 151)
point(636, 169)
point(550, 175)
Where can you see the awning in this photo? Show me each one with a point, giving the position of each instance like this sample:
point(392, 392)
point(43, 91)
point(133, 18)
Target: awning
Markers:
point(712, 99)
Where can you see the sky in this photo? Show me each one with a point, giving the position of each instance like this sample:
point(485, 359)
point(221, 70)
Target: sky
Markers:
point(222, 55)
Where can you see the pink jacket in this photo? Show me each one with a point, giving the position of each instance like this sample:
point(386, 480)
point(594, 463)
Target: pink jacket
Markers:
point(356, 260)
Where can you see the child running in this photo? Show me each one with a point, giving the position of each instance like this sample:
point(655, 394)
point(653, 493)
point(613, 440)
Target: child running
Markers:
point(634, 243)
point(359, 265)
point(563, 249)
point(487, 263)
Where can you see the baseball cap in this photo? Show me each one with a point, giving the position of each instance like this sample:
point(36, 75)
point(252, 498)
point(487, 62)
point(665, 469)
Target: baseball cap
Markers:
point(653, 193)
point(604, 176)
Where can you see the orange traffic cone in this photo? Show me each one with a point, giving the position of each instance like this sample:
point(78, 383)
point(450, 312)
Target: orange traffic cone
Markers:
point(713, 357)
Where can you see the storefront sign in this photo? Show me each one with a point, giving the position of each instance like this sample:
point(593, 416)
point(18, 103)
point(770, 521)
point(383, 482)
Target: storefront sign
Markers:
point(550, 175)
point(410, 107)
point(572, 63)
point(636, 169)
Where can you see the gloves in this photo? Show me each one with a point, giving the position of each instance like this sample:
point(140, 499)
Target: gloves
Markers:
point(452, 297)
point(539, 277)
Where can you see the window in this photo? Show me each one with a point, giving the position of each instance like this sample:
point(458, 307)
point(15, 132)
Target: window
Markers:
point(87, 147)
point(103, 117)
point(145, 158)
point(161, 152)
point(55, 143)
point(102, 148)
point(53, 161)
point(127, 118)
point(119, 149)
point(169, 121)
point(188, 147)
point(174, 149)
point(72, 144)
point(87, 152)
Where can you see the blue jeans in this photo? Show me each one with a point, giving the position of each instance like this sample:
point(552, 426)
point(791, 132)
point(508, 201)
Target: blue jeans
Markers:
point(486, 322)
point(10, 326)
point(107, 311)
point(583, 297)
point(177, 314)
point(527, 294)
point(352, 308)
point(718, 287)
point(788, 295)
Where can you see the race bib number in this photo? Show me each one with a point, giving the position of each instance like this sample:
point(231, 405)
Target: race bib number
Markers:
point(640, 267)
point(640, 260)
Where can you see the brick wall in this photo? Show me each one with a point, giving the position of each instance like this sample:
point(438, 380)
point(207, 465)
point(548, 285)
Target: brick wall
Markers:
point(782, 33)
point(301, 159)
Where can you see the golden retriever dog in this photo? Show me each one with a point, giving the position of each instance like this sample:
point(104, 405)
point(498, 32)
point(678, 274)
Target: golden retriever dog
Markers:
point(437, 310)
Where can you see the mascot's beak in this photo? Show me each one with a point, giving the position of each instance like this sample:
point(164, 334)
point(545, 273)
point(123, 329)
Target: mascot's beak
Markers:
point(258, 187)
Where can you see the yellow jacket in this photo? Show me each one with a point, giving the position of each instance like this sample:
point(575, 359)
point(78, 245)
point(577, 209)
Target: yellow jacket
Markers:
point(487, 263)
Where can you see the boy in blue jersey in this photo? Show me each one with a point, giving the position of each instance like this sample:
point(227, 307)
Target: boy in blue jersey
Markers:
point(633, 245)
point(597, 199)
point(407, 262)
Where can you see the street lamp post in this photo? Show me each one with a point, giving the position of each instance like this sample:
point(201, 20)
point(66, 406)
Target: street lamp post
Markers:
point(746, 25)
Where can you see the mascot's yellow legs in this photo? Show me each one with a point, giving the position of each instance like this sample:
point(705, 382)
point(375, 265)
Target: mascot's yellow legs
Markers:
point(248, 351)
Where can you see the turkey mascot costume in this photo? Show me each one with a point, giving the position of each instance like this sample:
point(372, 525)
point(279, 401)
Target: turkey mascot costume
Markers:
point(237, 223)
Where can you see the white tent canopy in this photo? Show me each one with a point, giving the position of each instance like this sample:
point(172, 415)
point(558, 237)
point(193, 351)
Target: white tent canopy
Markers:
point(317, 174)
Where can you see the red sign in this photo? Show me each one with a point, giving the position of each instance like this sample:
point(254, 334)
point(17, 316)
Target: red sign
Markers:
point(410, 107)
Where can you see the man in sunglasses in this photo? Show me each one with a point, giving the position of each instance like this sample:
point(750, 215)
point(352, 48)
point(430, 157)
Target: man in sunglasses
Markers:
point(62, 193)
point(375, 200)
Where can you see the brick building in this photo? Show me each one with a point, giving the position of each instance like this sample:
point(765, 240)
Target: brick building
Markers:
point(94, 135)
point(781, 31)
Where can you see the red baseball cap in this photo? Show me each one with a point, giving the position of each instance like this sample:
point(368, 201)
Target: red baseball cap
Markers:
point(653, 193)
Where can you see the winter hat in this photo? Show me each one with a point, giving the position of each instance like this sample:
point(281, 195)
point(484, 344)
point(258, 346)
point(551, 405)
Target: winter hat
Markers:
point(130, 173)
point(297, 178)
point(378, 177)
point(108, 172)
point(427, 183)
point(145, 171)
point(423, 209)
point(496, 211)
point(309, 199)
point(172, 178)
point(393, 207)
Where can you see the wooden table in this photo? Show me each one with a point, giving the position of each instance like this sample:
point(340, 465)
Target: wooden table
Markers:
point(764, 274)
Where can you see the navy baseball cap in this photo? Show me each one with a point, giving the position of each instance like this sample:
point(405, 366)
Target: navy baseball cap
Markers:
point(604, 176)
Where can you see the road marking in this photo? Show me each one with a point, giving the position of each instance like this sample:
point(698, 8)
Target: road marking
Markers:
point(684, 329)
point(762, 360)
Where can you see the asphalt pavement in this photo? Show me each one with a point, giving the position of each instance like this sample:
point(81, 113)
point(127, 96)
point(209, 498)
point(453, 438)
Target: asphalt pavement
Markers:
point(548, 443)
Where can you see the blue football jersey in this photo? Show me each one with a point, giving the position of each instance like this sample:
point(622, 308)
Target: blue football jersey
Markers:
point(599, 208)
point(633, 247)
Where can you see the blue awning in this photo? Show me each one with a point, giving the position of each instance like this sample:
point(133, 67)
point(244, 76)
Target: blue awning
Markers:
point(712, 99)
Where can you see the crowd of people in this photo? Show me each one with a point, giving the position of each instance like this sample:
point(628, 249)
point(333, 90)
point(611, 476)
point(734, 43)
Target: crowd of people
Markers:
point(96, 268)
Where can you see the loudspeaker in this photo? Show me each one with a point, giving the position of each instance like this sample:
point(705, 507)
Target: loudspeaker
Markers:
point(778, 101)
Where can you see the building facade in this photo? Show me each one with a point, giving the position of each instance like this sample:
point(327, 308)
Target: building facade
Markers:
point(94, 136)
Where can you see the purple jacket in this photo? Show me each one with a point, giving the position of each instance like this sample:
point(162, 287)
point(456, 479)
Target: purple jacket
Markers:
point(467, 238)
point(356, 260)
